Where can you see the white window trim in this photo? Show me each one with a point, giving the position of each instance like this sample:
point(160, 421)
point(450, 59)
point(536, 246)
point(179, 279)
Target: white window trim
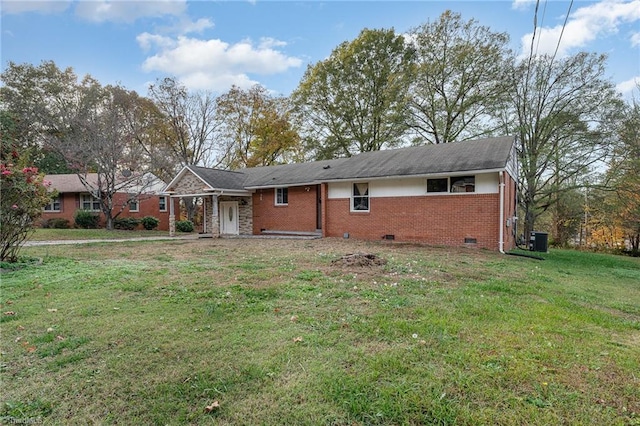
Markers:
point(166, 203)
point(137, 204)
point(437, 192)
point(92, 200)
point(276, 197)
point(352, 198)
point(448, 191)
point(52, 204)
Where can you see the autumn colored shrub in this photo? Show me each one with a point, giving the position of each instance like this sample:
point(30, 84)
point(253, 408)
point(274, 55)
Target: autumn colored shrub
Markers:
point(24, 195)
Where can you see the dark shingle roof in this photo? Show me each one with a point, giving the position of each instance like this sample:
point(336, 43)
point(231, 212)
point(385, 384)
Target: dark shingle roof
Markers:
point(220, 179)
point(475, 155)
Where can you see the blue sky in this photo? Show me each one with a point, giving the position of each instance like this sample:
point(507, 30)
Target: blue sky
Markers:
point(213, 44)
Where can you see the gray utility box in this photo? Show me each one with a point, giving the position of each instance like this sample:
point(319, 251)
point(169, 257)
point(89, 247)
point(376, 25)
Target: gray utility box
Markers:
point(539, 241)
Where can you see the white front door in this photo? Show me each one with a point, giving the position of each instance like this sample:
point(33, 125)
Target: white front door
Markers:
point(229, 218)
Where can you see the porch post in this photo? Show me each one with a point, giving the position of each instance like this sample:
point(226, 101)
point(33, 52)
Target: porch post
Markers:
point(215, 219)
point(172, 218)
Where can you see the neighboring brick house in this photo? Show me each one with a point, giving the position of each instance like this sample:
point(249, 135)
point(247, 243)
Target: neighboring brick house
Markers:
point(456, 194)
point(137, 197)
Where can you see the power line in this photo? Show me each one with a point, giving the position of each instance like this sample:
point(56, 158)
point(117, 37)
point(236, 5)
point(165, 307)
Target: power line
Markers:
point(564, 25)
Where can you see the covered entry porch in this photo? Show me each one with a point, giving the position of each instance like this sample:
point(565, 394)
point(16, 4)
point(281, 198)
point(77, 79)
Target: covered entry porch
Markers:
point(222, 213)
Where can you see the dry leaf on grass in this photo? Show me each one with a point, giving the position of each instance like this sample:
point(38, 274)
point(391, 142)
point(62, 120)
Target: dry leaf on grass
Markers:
point(9, 313)
point(297, 339)
point(214, 405)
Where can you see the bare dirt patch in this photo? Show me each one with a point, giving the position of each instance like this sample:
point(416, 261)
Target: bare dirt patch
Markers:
point(360, 260)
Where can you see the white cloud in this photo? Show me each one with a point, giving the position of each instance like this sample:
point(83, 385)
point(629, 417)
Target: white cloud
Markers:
point(128, 11)
point(213, 64)
point(13, 7)
point(585, 25)
point(629, 86)
point(188, 26)
point(146, 41)
point(635, 39)
point(522, 4)
point(268, 43)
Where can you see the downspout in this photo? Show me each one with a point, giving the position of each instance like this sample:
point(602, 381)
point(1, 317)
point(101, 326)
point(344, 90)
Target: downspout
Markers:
point(501, 241)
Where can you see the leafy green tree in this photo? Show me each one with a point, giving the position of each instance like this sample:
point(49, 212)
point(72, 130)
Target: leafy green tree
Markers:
point(256, 128)
point(563, 112)
point(42, 101)
point(356, 100)
point(459, 79)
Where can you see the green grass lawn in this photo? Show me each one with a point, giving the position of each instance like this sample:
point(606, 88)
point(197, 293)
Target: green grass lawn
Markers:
point(46, 234)
point(275, 333)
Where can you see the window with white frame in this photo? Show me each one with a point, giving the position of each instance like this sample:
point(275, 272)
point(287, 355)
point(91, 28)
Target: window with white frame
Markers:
point(89, 202)
point(54, 205)
point(438, 185)
point(360, 197)
point(282, 196)
point(454, 184)
point(162, 201)
point(463, 184)
point(134, 204)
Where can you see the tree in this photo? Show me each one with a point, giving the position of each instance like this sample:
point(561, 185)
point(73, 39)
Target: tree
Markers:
point(191, 128)
point(42, 101)
point(562, 112)
point(24, 193)
point(94, 129)
point(256, 128)
point(356, 100)
point(148, 128)
point(624, 177)
point(460, 77)
point(102, 141)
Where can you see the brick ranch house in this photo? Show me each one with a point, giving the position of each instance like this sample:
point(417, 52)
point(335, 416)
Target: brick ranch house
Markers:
point(73, 196)
point(456, 194)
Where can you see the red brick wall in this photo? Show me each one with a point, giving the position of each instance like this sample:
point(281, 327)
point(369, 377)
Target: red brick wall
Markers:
point(299, 215)
point(149, 206)
point(434, 219)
